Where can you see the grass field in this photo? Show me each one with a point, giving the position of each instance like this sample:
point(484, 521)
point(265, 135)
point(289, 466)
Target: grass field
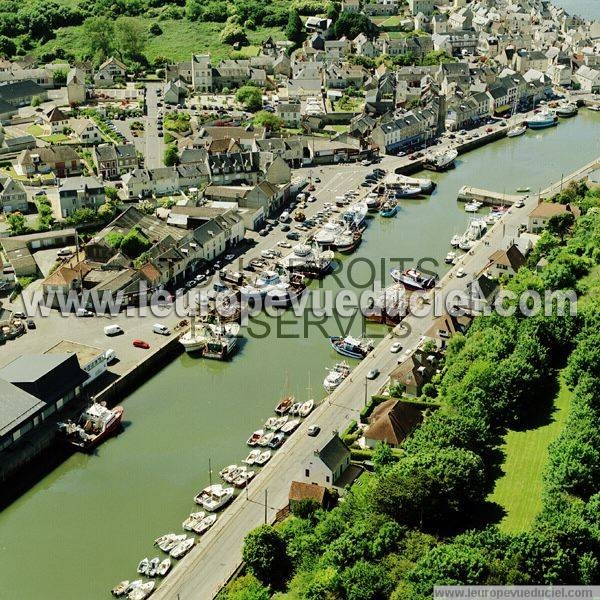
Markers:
point(179, 39)
point(519, 490)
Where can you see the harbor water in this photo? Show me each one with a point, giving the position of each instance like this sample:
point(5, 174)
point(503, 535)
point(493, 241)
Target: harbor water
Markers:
point(86, 525)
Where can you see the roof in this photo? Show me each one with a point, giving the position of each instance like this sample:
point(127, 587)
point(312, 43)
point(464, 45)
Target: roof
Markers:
point(307, 491)
point(550, 209)
point(85, 354)
point(20, 89)
point(73, 184)
point(16, 406)
point(55, 115)
point(392, 421)
point(334, 453)
point(511, 257)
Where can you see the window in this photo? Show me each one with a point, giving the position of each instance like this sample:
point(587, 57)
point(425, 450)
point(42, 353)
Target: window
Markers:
point(306, 473)
point(327, 478)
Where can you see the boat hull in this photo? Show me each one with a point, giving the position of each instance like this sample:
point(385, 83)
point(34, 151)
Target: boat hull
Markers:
point(358, 354)
point(112, 428)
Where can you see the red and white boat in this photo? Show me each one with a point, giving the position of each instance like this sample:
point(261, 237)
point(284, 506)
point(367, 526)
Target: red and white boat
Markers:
point(96, 424)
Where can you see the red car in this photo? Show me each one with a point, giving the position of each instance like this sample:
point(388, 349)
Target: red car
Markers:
point(141, 344)
point(489, 129)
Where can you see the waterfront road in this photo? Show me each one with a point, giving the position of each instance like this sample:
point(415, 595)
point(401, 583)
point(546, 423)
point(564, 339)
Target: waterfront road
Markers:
point(208, 567)
point(155, 147)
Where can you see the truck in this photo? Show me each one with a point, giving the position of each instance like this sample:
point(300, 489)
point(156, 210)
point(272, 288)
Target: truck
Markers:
point(161, 329)
point(113, 330)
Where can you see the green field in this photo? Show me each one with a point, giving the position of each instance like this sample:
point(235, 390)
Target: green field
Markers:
point(179, 39)
point(519, 490)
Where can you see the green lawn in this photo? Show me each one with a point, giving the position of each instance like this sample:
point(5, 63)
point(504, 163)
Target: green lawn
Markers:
point(519, 490)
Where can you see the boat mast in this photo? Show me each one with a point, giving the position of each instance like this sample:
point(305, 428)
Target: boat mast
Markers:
point(209, 472)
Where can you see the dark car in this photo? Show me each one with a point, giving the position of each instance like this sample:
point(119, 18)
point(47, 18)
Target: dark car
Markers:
point(160, 134)
point(263, 232)
point(285, 228)
point(317, 180)
point(292, 235)
point(313, 430)
point(30, 324)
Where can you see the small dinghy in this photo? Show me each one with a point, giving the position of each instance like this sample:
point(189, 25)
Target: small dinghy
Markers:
point(170, 541)
point(233, 475)
point(295, 408)
point(251, 458)
point(244, 479)
point(143, 566)
point(271, 422)
point(153, 566)
point(164, 567)
point(306, 408)
point(143, 591)
point(253, 439)
point(120, 588)
point(263, 458)
point(192, 520)
point(290, 426)
point(205, 524)
point(265, 439)
point(182, 548)
point(281, 422)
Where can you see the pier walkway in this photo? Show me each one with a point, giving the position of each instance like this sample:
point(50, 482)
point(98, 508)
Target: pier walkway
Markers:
point(489, 198)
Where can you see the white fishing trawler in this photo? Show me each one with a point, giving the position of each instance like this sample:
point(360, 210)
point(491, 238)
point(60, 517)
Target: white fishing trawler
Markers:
point(308, 260)
point(211, 340)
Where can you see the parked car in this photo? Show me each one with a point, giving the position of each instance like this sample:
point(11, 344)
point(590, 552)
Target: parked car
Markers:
point(285, 228)
point(110, 356)
point(141, 344)
point(64, 252)
point(395, 347)
point(84, 312)
point(30, 324)
point(263, 232)
point(373, 374)
point(460, 272)
point(229, 257)
point(292, 235)
point(317, 180)
point(313, 430)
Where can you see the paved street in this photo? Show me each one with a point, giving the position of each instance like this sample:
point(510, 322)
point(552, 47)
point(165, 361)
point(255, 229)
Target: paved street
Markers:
point(155, 146)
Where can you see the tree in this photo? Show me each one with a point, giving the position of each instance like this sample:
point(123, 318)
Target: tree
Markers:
point(294, 30)
point(232, 34)
point(155, 29)
point(7, 47)
point(383, 455)
point(268, 120)
point(171, 156)
point(365, 581)
point(130, 36)
point(265, 555)
point(99, 36)
point(250, 97)
point(305, 509)
point(59, 78)
point(333, 10)
point(36, 101)
point(114, 239)
point(17, 223)
point(82, 215)
point(352, 24)
point(436, 57)
point(134, 243)
point(247, 587)
point(561, 224)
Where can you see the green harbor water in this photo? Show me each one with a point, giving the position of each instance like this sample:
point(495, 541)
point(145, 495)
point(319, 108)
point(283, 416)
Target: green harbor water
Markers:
point(86, 525)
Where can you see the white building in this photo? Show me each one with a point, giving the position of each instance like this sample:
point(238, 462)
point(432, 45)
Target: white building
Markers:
point(327, 465)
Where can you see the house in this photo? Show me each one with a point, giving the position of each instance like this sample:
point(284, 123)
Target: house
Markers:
point(33, 387)
point(13, 196)
point(76, 91)
point(327, 465)
point(201, 69)
point(319, 25)
point(392, 422)
point(141, 183)
point(505, 262)
point(55, 121)
point(290, 113)
point(85, 132)
point(113, 160)
point(21, 93)
point(588, 79)
point(63, 161)
point(109, 71)
point(174, 92)
point(300, 491)
point(412, 374)
point(421, 6)
point(400, 133)
point(351, 6)
point(538, 218)
point(74, 193)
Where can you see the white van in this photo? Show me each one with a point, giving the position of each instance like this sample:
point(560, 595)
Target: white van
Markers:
point(84, 312)
point(113, 330)
point(285, 217)
point(161, 329)
point(110, 355)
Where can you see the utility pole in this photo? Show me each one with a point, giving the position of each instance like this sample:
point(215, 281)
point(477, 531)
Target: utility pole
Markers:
point(266, 496)
point(366, 382)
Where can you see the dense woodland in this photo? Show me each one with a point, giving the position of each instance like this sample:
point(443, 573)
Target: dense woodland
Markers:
point(424, 518)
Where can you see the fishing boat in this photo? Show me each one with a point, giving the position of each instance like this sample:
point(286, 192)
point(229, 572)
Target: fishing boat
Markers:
point(542, 120)
point(475, 231)
point(218, 499)
point(182, 548)
point(516, 131)
point(290, 426)
point(289, 290)
point(389, 307)
point(120, 588)
point(264, 457)
point(373, 202)
point(308, 260)
point(389, 209)
point(206, 492)
point(594, 107)
point(348, 241)
point(252, 457)
point(143, 566)
point(253, 439)
point(277, 440)
point(143, 591)
point(305, 409)
point(408, 191)
point(442, 161)
point(205, 524)
point(335, 376)
point(153, 566)
point(211, 340)
point(450, 257)
point(395, 180)
point(285, 405)
point(193, 520)
point(351, 346)
point(355, 214)
point(455, 241)
point(164, 567)
point(325, 237)
point(95, 424)
point(414, 280)
point(567, 109)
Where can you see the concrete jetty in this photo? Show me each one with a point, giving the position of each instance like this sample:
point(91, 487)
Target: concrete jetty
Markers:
point(468, 193)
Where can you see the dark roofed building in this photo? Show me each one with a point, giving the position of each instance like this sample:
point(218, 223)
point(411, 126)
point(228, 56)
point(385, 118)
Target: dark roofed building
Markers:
point(20, 93)
point(392, 422)
point(300, 491)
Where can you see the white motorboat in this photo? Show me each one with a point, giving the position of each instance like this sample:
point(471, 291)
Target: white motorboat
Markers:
point(266, 438)
point(205, 524)
point(232, 475)
point(143, 566)
point(244, 479)
point(335, 376)
point(218, 499)
point(153, 566)
point(206, 492)
point(228, 469)
point(133, 585)
point(516, 131)
point(192, 520)
point(450, 257)
point(294, 410)
point(290, 426)
point(172, 540)
point(472, 207)
point(120, 588)
point(211, 340)
point(143, 591)
point(251, 458)
point(263, 458)
point(164, 567)
point(474, 232)
point(455, 241)
point(183, 548)
point(277, 440)
point(306, 408)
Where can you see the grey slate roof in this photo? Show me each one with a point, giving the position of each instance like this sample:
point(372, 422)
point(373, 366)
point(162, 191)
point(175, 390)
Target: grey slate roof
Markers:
point(334, 453)
point(20, 89)
point(16, 406)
